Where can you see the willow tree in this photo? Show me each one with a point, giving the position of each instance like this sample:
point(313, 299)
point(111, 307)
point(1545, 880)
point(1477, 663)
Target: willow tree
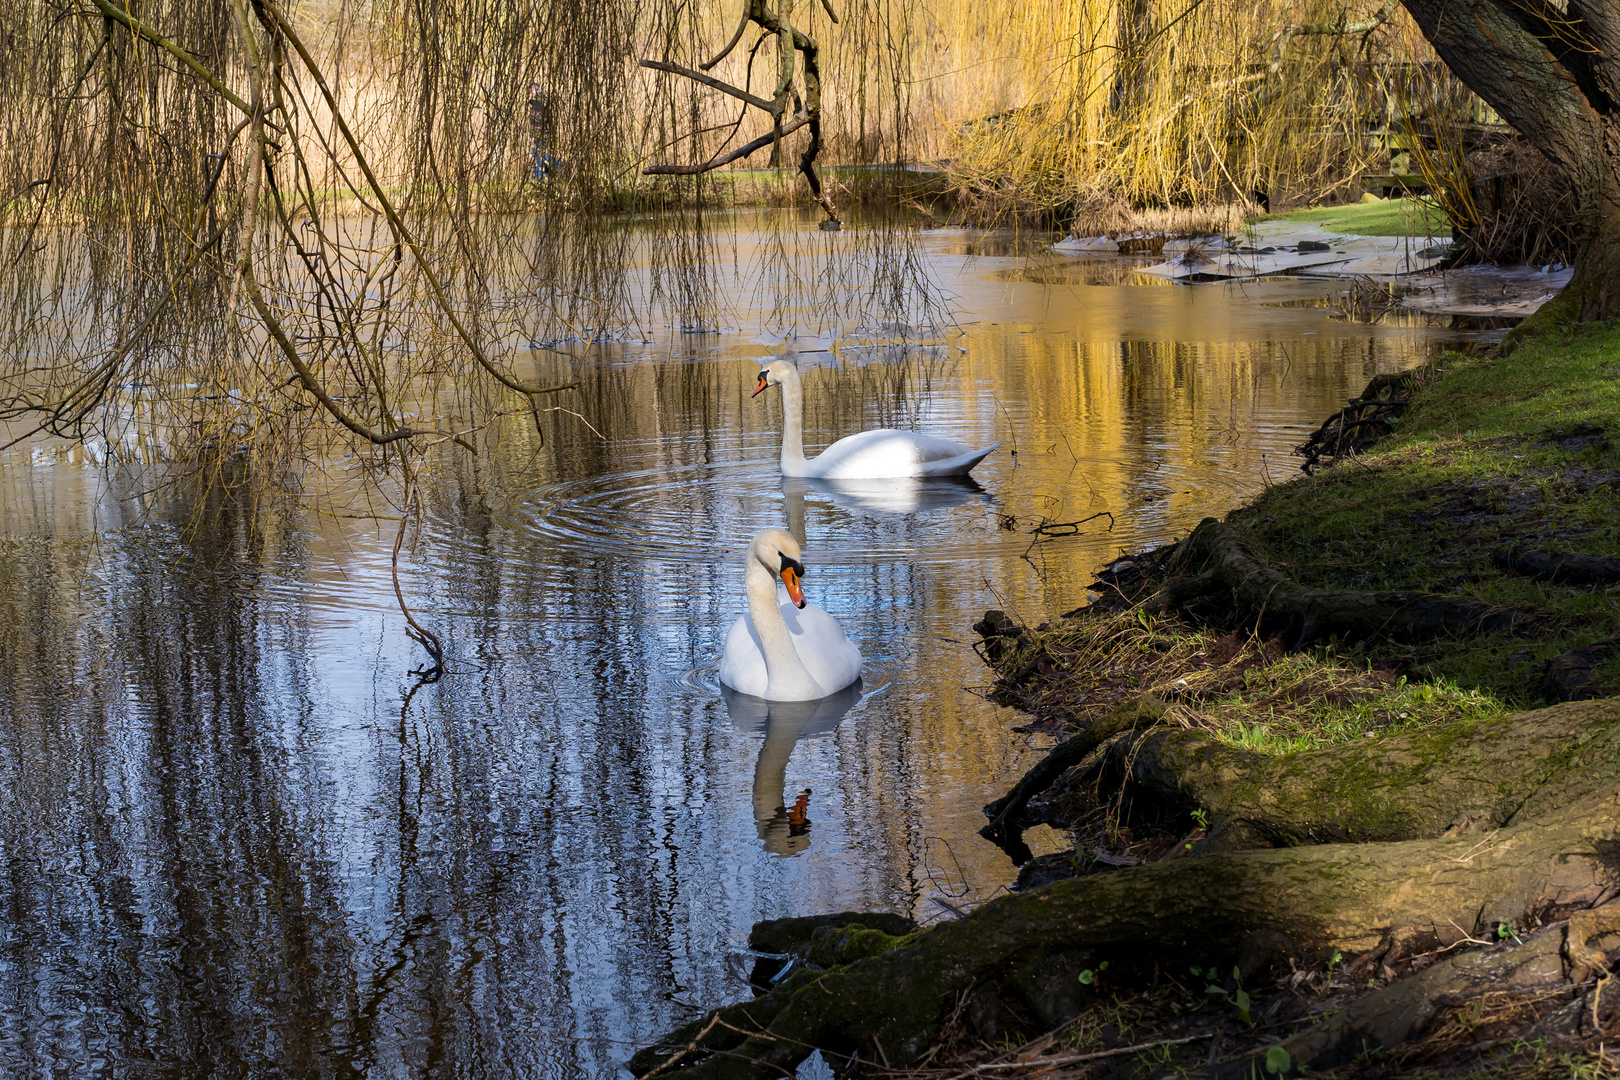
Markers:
point(242, 236)
point(1553, 72)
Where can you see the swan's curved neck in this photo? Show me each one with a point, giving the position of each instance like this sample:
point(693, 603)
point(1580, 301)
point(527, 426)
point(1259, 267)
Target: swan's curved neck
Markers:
point(785, 674)
point(792, 421)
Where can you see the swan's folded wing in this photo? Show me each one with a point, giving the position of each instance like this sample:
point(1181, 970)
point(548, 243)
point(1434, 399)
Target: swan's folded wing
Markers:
point(886, 452)
point(742, 665)
point(960, 465)
point(830, 657)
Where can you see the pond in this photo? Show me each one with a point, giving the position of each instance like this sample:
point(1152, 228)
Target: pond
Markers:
point(238, 839)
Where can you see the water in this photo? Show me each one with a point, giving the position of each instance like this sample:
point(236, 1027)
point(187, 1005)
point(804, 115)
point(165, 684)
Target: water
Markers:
point(237, 841)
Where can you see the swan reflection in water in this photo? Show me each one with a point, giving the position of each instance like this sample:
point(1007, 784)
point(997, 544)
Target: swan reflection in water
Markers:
point(785, 829)
point(894, 497)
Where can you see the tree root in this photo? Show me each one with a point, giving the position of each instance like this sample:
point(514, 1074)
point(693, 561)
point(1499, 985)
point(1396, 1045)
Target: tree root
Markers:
point(1560, 567)
point(1388, 1017)
point(1568, 676)
point(1214, 562)
point(1359, 425)
point(1004, 813)
point(1556, 956)
point(1450, 781)
point(1351, 897)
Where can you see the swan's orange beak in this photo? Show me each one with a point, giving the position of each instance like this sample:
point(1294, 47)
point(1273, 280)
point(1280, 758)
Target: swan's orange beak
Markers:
point(790, 578)
point(758, 388)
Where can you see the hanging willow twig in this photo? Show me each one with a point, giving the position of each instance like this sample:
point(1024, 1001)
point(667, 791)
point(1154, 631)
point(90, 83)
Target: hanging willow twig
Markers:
point(790, 41)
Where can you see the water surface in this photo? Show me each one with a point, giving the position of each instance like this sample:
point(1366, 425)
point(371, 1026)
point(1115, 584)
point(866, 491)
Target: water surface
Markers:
point(237, 841)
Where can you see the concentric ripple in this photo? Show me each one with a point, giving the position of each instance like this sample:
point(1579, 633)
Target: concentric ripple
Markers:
point(697, 513)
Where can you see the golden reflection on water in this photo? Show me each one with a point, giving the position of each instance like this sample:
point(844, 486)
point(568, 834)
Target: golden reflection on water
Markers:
point(229, 830)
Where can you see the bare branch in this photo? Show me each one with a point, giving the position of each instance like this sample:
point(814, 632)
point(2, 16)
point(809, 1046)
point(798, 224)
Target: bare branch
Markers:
point(741, 152)
point(742, 25)
point(707, 80)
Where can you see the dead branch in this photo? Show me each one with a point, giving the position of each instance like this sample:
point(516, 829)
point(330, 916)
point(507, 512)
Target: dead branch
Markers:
point(789, 42)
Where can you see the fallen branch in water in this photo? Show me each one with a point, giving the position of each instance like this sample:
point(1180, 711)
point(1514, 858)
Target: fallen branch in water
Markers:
point(1047, 531)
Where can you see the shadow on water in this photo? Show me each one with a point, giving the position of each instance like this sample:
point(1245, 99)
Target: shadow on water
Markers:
point(785, 831)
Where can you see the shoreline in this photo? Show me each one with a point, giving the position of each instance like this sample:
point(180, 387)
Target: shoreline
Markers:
point(1491, 503)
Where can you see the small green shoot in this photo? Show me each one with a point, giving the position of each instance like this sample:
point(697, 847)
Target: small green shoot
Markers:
point(1089, 976)
point(1278, 1060)
point(1239, 998)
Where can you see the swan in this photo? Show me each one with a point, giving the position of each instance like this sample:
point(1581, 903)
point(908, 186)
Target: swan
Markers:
point(785, 651)
point(867, 455)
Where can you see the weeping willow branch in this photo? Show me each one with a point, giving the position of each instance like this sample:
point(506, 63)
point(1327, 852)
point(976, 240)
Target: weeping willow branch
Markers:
point(418, 633)
point(789, 41)
point(400, 231)
point(141, 29)
point(282, 240)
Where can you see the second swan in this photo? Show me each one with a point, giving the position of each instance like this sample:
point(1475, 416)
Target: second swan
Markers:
point(868, 455)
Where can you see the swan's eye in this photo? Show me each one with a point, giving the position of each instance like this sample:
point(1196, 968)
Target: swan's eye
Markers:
point(793, 565)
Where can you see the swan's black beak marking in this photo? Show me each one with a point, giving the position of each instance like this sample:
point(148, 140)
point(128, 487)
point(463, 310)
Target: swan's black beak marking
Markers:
point(764, 381)
point(792, 571)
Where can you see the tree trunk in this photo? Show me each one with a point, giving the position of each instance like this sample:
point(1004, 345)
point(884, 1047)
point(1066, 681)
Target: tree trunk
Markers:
point(1556, 78)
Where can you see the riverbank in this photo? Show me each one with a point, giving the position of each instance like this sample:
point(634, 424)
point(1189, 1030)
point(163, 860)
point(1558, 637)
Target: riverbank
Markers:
point(1320, 799)
point(1497, 488)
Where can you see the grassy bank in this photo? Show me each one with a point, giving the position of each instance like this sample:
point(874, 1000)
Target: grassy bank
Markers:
point(1387, 217)
point(1494, 454)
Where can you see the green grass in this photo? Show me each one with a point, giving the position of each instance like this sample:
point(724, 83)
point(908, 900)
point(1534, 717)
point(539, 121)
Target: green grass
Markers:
point(1246, 692)
point(1495, 452)
point(1391, 217)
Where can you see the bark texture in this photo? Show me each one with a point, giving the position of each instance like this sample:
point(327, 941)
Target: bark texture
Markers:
point(1553, 74)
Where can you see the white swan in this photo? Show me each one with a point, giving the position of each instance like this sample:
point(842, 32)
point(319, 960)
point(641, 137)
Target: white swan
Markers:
point(785, 652)
point(868, 455)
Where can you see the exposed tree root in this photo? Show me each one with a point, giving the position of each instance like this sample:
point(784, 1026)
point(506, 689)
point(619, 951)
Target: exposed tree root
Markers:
point(1214, 562)
point(1561, 567)
point(1453, 780)
point(1360, 424)
point(1018, 955)
point(1568, 676)
point(1388, 1017)
point(1004, 813)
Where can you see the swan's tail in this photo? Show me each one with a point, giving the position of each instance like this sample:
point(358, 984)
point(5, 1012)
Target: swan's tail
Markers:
point(960, 465)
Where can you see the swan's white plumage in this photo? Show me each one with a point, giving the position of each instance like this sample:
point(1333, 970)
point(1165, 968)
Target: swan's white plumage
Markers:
point(866, 455)
point(802, 653)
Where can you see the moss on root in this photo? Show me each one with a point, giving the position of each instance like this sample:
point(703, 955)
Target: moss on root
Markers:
point(1374, 810)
